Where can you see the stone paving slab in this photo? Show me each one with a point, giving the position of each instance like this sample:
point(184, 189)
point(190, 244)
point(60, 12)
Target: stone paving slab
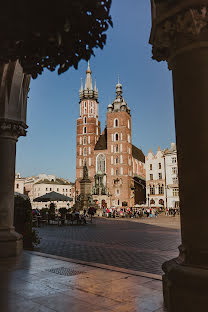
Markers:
point(131, 245)
point(29, 284)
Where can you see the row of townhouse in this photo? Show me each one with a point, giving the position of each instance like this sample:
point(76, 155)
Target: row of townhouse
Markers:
point(162, 178)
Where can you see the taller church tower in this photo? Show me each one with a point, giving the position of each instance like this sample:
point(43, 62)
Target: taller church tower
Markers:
point(88, 128)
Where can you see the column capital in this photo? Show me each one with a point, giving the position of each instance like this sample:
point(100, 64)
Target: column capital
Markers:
point(12, 129)
point(178, 27)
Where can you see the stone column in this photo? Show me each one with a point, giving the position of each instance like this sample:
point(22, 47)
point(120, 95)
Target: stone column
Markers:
point(180, 37)
point(13, 101)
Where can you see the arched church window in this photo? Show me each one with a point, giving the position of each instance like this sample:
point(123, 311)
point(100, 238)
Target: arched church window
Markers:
point(85, 130)
point(116, 149)
point(115, 123)
point(116, 137)
point(85, 140)
point(91, 108)
point(101, 163)
point(85, 120)
point(117, 160)
point(85, 151)
point(117, 171)
point(85, 107)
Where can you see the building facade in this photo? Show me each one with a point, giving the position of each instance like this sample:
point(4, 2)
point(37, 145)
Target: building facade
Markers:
point(171, 165)
point(112, 161)
point(162, 178)
point(42, 184)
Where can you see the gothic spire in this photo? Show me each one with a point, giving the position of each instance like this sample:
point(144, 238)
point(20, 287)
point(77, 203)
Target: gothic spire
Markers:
point(88, 81)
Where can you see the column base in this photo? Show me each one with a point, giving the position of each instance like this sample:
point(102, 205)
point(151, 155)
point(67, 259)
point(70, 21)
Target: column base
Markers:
point(11, 244)
point(185, 288)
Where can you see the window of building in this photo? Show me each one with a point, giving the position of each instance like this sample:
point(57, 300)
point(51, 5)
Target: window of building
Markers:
point(80, 162)
point(152, 190)
point(80, 140)
point(121, 170)
point(91, 108)
point(116, 137)
point(88, 139)
point(85, 107)
point(46, 188)
point(161, 189)
point(89, 162)
point(85, 120)
point(112, 137)
point(112, 171)
point(84, 129)
point(57, 189)
point(117, 160)
point(85, 151)
point(174, 160)
point(101, 163)
point(111, 148)
point(174, 170)
point(151, 176)
point(115, 123)
point(118, 202)
point(128, 124)
point(116, 148)
point(117, 171)
point(175, 180)
point(160, 175)
point(121, 148)
point(175, 192)
point(111, 160)
point(117, 192)
point(50, 189)
point(159, 165)
point(150, 166)
point(85, 140)
point(17, 186)
point(121, 159)
point(121, 136)
point(80, 151)
point(129, 138)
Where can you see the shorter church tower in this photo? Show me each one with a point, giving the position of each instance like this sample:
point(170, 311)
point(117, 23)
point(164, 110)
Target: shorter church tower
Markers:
point(119, 155)
point(88, 128)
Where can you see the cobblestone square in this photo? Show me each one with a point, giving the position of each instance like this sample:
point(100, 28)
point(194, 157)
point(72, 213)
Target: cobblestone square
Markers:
point(126, 244)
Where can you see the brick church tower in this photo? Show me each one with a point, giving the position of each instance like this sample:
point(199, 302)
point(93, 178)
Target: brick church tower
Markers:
point(88, 129)
point(119, 154)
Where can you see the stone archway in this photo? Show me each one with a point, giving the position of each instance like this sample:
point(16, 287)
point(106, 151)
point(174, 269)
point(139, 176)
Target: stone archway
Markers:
point(179, 36)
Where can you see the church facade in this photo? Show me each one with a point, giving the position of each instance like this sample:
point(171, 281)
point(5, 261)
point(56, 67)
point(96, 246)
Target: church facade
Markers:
point(115, 166)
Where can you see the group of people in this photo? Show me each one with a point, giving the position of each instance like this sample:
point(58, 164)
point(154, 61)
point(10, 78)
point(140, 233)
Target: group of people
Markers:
point(130, 212)
point(171, 212)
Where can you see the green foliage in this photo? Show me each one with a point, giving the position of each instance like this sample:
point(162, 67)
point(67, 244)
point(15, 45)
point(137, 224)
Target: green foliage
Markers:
point(47, 34)
point(23, 222)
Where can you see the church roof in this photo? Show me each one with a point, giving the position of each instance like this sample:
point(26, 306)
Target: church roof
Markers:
point(137, 153)
point(102, 141)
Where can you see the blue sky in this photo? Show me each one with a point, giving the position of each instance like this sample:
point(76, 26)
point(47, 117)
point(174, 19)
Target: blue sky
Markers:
point(50, 144)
